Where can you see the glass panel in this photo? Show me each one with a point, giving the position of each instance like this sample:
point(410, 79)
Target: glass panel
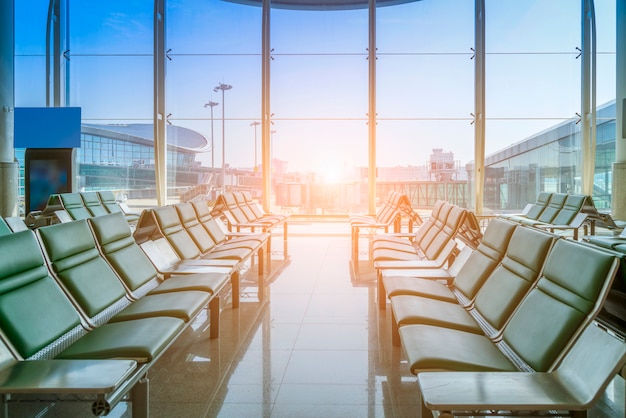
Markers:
point(30, 81)
point(319, 100)
point(214, 43)
point(112, 27)
point(213, 27)
point(111, 80)
point(112, 88)
point(425, 97)
point(533, 85)
point(425, 86)
point(426, 27)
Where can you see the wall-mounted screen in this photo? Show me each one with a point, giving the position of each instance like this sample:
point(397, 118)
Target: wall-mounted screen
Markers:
point(47, 172)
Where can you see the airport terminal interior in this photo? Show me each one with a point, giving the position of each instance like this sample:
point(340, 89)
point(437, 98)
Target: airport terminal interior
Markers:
point(309, 208)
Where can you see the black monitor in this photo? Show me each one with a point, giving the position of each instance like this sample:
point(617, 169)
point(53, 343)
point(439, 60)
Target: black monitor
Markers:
point(47, 171)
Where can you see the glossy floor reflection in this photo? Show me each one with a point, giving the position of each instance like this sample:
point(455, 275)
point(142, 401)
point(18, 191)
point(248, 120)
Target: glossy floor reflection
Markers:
point(313, 349)
point(316, 347)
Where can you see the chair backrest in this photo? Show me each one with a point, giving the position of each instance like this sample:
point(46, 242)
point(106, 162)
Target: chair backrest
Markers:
point(117, 245)
point(93, 204)
point(543, 198)
point(389, 211)
point(520, 267)
point(209, 222)
point(556, 203)
point(243, 206)
point(108, 201)
point(438, 222)
point(469, 231)
point(34, 312)
point(73, 205)
point(16, 223)
point(569, 293)
point(481, 262)
point(234, 209)
point(4, 228)
point(83, 273)
point(252, 204)
point(429, 222)
point(572, 206)
point(172, 229)
point(190, 222)
point(455, 218)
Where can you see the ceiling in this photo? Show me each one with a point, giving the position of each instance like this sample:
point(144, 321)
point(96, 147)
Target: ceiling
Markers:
point(321, 4)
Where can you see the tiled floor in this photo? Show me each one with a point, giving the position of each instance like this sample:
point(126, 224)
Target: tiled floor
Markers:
point(317, 347)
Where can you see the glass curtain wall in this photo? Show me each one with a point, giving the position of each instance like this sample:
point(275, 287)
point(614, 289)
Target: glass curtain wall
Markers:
point(30, 66)
point(217, 43)
point(606, 87)
point(319, 102)
point(533, 85)
point(111, 55)
point(319, 94)
point(425, 95)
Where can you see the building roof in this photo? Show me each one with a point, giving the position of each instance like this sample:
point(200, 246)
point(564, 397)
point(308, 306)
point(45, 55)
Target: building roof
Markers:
point(143, 133)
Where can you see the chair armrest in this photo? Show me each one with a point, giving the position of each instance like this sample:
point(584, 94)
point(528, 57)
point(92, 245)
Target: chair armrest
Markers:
point(514, 391)
point(66, 376)
point(407, 264)
point(126, 210)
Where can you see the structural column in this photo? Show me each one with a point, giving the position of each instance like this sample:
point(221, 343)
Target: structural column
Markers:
point(8, 165)
point(160, 137)
point(479, 106)
point(619, 166)
point(266, 137)
point(372, 107)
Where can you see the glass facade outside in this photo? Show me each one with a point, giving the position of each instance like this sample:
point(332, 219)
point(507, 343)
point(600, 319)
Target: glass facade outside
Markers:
point(549, 161)
point(319, 92)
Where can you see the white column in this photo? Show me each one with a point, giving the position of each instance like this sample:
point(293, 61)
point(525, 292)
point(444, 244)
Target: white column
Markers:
point(372, 107)
point(619, 167)
point(8, 166)
point(160, 137)
point(479, 105)
point(266, 122)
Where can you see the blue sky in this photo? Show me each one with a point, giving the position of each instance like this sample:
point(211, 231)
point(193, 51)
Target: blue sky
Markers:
point(319, 74)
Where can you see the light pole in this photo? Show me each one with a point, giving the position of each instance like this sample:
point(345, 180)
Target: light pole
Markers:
point(255, 124)
point(223, 87)
point(272, 146)
point(212, 105)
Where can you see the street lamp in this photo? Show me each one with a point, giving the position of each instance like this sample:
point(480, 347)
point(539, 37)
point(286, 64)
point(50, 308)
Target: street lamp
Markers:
point(223, 87)
point(255, 124)
point(212, 105)
point(272, 132)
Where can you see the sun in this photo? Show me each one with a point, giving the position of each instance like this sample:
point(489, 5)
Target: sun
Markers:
point(331, 176)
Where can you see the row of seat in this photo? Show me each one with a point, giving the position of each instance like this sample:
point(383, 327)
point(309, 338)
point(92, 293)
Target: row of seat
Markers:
point(523, 302)
point(393, 208)
point(556, 211)
point(81, 301)
point(65, 207)
point(433, 247)
point(185, 238)
point(242, 213)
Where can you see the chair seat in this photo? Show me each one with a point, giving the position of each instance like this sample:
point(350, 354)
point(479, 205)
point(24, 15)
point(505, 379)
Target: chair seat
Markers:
point(141, 340)
point(183, 305)
point(398, 285)
point(435, 348)
point(409, 310)
point(205, 282)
